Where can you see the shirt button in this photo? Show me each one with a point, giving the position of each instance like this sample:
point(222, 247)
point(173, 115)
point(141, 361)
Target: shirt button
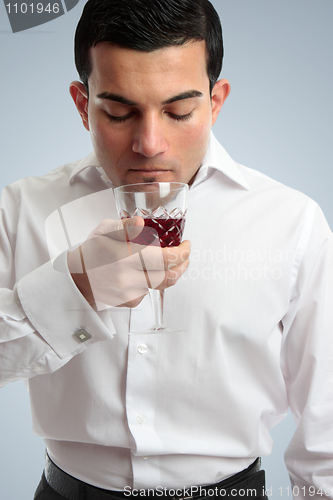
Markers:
point(142, 348)
point(141, 419)
point(37, 369)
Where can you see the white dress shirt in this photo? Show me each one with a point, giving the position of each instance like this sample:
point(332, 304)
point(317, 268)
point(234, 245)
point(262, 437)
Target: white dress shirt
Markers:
point(126, 408)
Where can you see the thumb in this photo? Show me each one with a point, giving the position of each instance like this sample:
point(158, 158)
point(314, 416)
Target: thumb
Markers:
point(119, 229)
point(129, 229)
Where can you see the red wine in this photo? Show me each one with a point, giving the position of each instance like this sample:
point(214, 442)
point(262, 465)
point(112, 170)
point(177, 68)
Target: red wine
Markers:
point(169, 231)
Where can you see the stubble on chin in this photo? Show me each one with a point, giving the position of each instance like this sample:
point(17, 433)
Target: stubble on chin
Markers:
point(149, 179)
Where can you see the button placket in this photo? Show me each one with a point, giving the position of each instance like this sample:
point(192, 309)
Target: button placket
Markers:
point(140, 393)
point(145, 471)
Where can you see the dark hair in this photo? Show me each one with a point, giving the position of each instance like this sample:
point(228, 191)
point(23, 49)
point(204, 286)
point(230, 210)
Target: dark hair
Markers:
point(148, 25)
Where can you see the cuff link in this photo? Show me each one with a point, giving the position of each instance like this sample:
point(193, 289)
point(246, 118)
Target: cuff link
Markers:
point(82, 335)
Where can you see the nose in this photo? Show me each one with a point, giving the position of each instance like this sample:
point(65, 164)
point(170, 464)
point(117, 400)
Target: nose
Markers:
point(149, 138)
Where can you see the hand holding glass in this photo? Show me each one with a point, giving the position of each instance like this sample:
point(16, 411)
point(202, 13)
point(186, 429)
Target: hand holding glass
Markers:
point(162, 205)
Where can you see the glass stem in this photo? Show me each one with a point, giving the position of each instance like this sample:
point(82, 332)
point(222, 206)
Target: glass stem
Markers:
point(156, 297)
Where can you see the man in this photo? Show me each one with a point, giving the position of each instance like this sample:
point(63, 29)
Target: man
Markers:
point(124, 413)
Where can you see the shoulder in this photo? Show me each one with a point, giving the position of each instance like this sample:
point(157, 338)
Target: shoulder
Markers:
point(58, 187)
point(274, 193)
point(59, 177)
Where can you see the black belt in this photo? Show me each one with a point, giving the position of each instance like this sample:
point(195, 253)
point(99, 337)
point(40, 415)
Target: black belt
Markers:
point(249, 483)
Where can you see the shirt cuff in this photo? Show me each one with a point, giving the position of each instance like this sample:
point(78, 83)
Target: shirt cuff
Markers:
point(59, 312)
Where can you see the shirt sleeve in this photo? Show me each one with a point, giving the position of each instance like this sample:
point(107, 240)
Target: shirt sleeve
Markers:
point(307, 363)
point(44, 319)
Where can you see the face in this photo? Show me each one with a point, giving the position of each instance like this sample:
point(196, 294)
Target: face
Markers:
point(149, 113)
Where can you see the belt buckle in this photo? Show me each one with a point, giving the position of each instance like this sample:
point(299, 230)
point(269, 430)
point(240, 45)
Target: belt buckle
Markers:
point(185, 497)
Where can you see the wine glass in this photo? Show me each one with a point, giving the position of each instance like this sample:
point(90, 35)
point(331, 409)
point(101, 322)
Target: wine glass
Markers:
point(162, 205)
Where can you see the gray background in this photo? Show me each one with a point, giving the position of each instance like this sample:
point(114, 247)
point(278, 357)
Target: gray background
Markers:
point(277, 119)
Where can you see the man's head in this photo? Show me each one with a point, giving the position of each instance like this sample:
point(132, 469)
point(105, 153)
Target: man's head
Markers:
point(148, 25)
point(152, 93)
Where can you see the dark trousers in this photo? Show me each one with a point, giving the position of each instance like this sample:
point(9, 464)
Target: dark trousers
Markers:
point(45, 492)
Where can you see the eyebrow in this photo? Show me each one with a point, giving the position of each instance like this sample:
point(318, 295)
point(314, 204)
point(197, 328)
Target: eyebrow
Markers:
point(183, 95)
point(122, 100)
point(117, 98)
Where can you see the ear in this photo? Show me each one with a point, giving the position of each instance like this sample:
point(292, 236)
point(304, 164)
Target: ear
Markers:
point(80, 98)
point(220, 92)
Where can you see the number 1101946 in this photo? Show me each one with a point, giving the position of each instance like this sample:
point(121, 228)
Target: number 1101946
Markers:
point(305, 492)
point(31, 8)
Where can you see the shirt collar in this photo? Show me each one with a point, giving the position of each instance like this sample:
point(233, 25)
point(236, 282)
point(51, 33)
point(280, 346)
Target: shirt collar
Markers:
point(216, 158)
point(89, 162)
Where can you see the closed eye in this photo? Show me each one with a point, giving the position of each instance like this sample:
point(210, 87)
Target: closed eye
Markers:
point(180, 118)
point(119, 119)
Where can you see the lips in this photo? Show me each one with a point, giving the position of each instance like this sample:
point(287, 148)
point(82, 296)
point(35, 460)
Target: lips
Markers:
point(149, 170)
point(149, 174)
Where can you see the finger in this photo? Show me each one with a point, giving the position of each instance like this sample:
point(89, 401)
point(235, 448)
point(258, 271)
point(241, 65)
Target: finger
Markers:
point(121, 230)
point(164, 279)
point(133, 303)
point(110, 285)
point(155, 259)
point(132, 227)
point(173, 275)
point(173, 256)
point(105, 227)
